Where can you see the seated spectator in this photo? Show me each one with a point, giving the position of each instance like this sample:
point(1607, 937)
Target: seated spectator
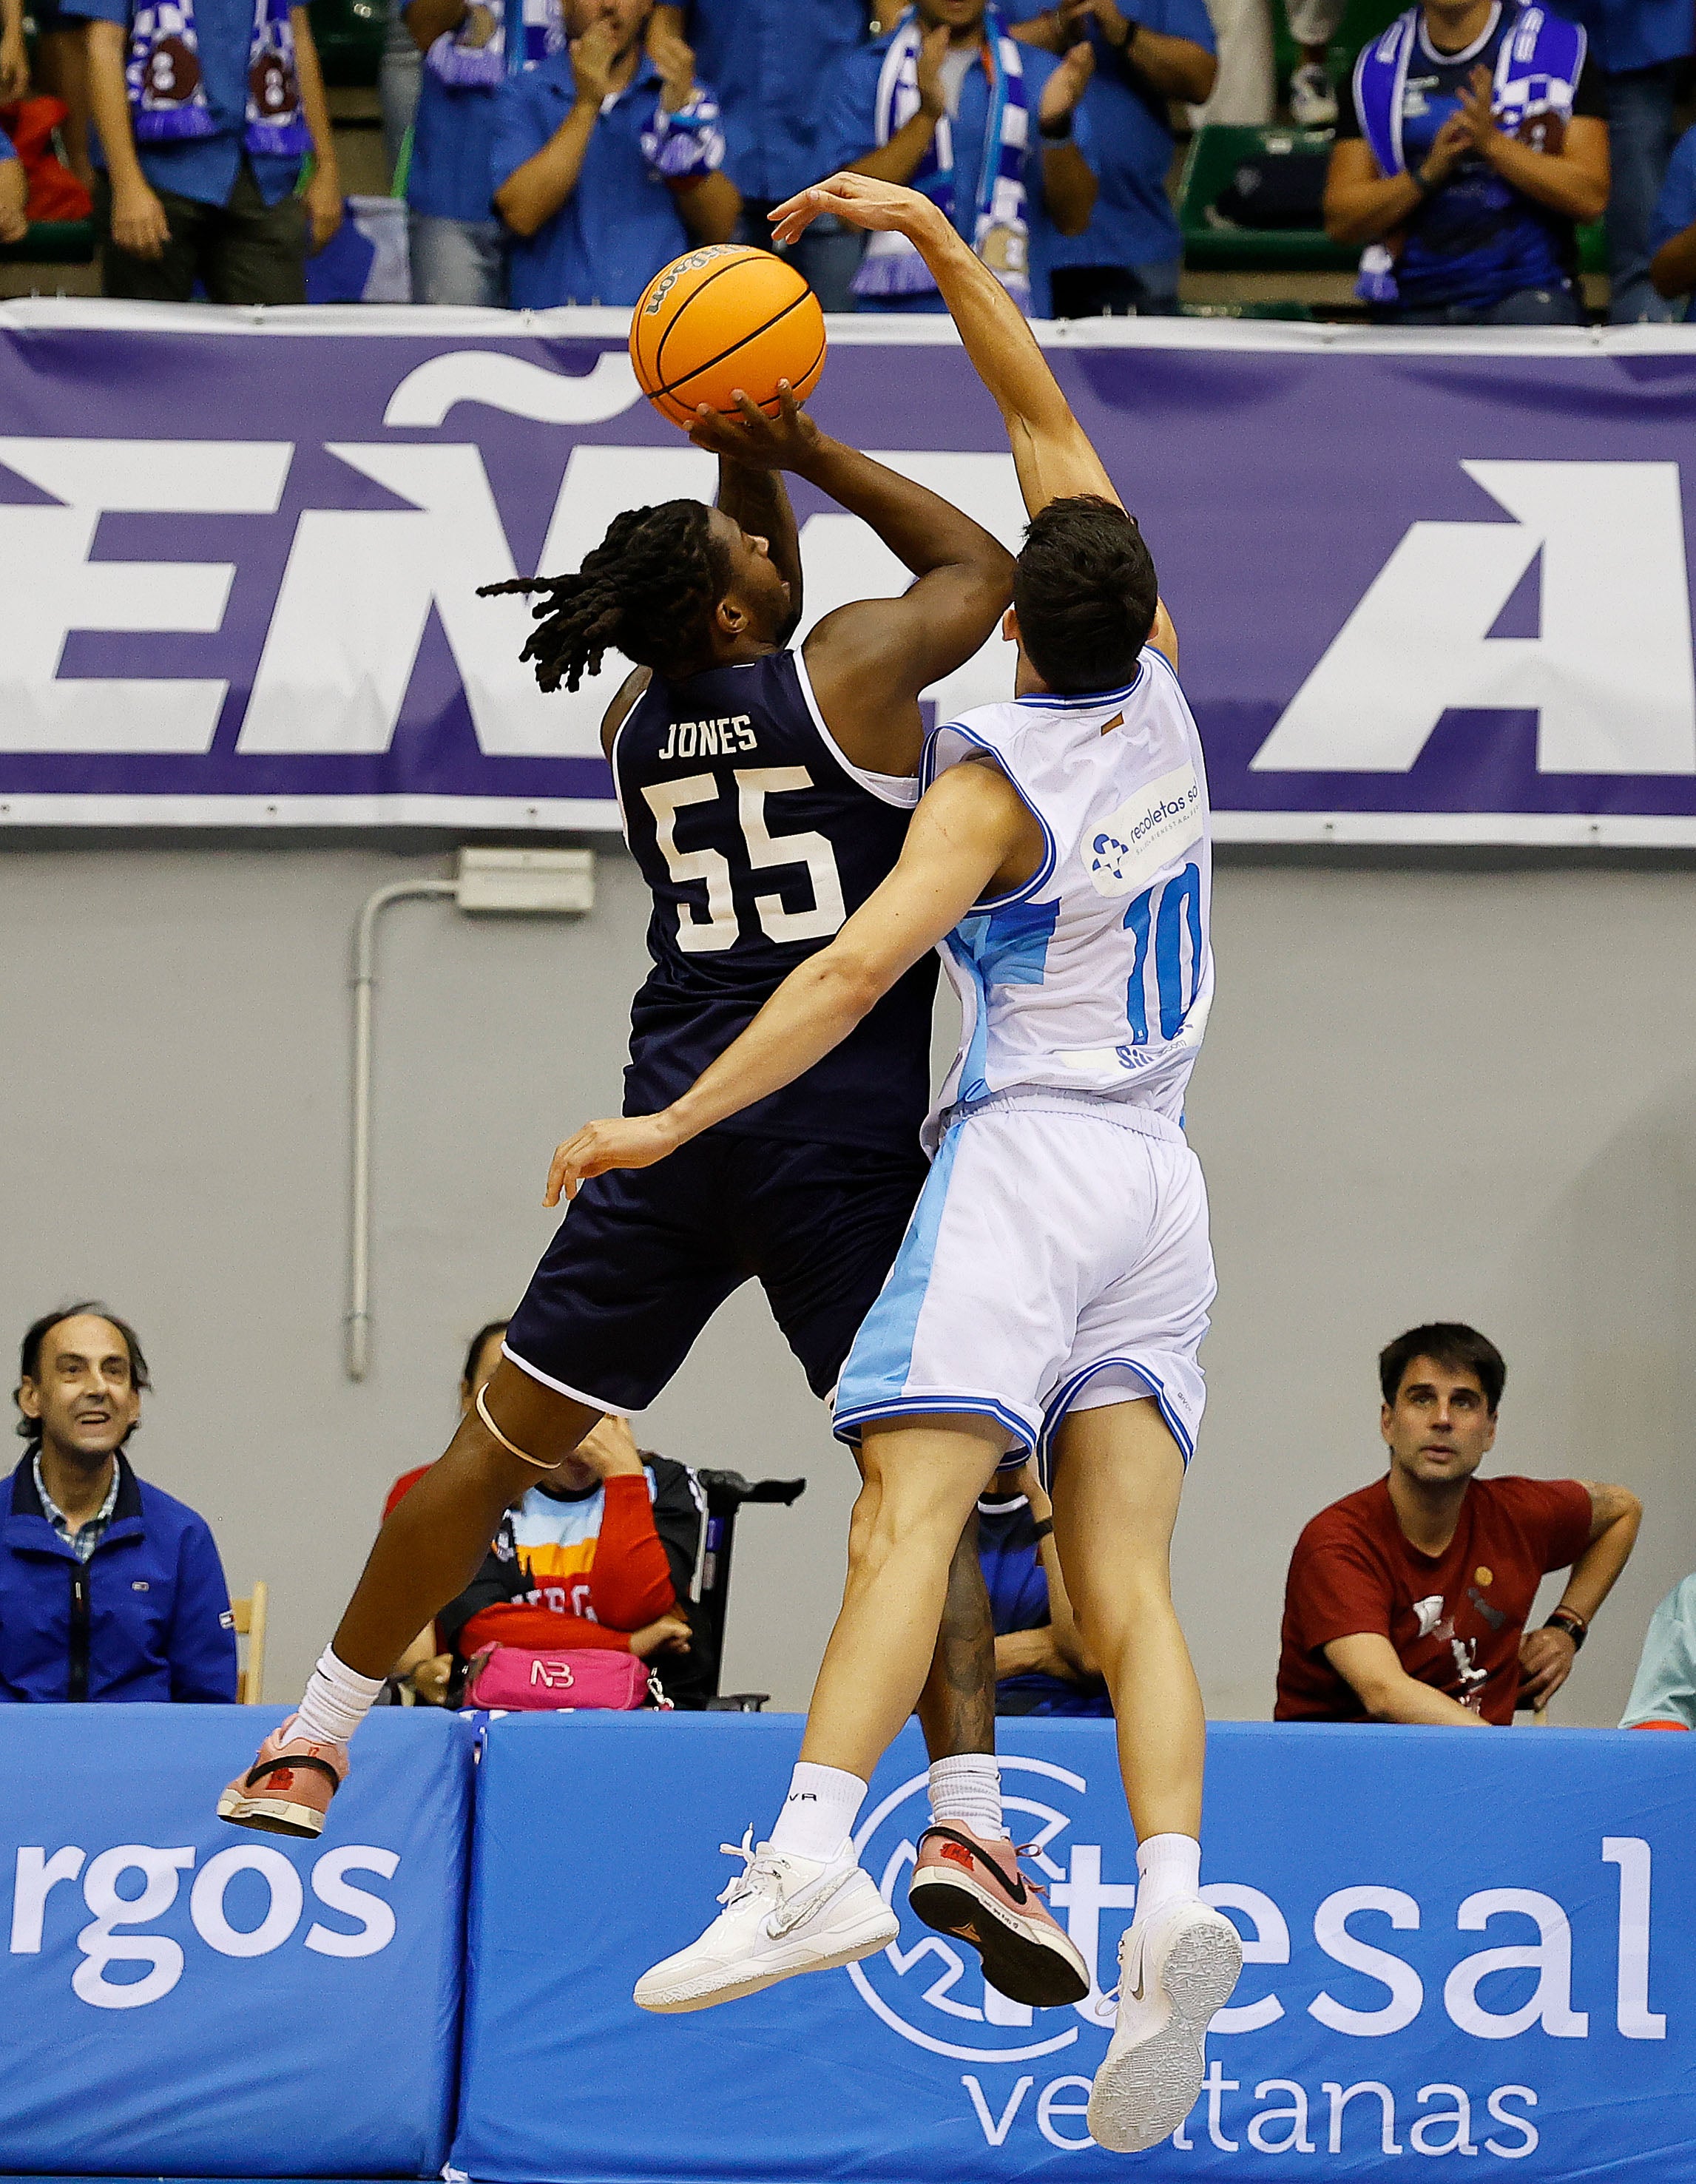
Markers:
point(918, 106)
point(767, 60)
point(206, 111)
point(600, 1554)
point(1127, 260)
point(1466, 179)
point(109, 1588)
point(1640, 49)
point(1042, 1665)
point(60, 72)
point(608, 163)
point(1664, 1693)
point(1672, 236)
point(14, 191)
point(1407, 1601)
point(426, 1667)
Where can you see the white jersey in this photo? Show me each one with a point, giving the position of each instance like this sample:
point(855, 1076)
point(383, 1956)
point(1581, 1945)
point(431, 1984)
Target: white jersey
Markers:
point(1097, 976)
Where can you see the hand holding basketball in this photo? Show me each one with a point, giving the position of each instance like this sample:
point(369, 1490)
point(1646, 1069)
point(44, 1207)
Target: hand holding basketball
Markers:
point(783, 442)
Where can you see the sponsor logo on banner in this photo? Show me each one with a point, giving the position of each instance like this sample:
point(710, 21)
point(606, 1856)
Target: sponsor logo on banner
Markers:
point(1024, 2074)
point(245, 1902)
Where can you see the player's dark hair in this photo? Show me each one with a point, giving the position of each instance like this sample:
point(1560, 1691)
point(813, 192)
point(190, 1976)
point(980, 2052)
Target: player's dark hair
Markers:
point(1448, 1343)
point(482, 1334)
point(1086, 594)
point(30, 1354)
point(648, 591)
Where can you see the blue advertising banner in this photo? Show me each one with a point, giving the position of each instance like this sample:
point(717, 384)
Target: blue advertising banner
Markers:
point(184, 1998)
point(1471, 1949)
point(1429, 588)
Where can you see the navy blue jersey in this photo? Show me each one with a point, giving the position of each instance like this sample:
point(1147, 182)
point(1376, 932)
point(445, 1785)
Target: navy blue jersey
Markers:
point(758, 838)
point(1019, 1601)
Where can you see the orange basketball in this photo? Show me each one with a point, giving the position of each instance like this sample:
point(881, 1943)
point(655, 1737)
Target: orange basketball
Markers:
point(720, 317)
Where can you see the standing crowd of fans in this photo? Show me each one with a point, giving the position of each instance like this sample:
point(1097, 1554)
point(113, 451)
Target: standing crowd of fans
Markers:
point(561, 152)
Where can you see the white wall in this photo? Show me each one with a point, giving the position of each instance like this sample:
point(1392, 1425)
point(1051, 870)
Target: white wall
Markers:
point(1425, 1092)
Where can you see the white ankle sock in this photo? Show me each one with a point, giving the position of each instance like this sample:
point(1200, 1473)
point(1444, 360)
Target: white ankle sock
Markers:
point(1168, 1870)
point(338, 1699)
point(968, 1790)
point(819, 1813)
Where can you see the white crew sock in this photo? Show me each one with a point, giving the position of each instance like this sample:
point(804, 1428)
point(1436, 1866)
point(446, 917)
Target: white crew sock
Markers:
point(1168, 1870)
point(338, 1699)
point(819, 1813)
point(968, 1790)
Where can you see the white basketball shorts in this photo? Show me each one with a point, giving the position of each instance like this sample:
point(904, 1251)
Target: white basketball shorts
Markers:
point(1058, 1260)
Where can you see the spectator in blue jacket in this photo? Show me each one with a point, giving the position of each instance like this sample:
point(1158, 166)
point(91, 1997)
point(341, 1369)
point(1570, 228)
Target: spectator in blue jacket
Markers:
point(1673, 237)
point(1042, 1665)
point(1147, 52)
point(1640, 50)
point(767, 58)
point(109, 1589)
point(608, 161)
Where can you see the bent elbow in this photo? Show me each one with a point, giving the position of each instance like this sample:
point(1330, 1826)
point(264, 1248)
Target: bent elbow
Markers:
point(1203, 77)
point(515, 213)
point(1593, 203)
point(1663, 279)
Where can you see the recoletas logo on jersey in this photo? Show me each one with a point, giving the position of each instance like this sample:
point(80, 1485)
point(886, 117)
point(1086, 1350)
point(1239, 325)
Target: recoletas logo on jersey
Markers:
point(1145, 833)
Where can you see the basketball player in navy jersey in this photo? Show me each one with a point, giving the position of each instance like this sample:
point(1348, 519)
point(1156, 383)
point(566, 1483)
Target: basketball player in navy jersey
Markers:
point(765, 793)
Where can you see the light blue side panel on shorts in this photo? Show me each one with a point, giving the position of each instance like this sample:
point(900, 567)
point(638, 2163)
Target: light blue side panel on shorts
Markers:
point(881, 1361)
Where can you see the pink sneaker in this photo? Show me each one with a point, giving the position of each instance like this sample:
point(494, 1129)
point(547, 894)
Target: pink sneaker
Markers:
point(971, 1885)
point(286, 1792)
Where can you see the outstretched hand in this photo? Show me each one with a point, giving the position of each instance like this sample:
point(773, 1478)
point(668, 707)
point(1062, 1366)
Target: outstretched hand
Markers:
point(860, 200)
point(624, 1141)
point(786, 442)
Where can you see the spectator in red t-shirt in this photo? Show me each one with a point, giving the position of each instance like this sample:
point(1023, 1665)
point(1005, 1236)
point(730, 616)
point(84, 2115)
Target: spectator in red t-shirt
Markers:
point(1407, 1601)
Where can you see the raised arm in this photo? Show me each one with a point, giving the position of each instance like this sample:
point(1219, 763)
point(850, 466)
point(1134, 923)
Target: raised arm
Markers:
point(968, 828)
point(868, 661)
point(1052, 451)
point(757, 498)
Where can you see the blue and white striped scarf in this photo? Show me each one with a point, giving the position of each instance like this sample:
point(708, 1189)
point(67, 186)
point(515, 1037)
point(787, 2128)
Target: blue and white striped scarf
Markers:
point(477, 57)
point(1000, 235)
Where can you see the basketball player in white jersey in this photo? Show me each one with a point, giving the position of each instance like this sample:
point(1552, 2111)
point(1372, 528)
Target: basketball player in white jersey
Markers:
point(1052, 1290)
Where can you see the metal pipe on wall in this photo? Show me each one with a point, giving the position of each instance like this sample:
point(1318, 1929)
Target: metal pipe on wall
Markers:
point(364, 981)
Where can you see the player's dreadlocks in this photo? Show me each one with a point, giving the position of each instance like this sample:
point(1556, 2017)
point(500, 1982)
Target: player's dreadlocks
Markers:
point(648, 591)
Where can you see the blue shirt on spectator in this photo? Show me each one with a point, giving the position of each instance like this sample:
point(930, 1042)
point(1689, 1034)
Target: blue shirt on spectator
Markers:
point(1019, 1601)
point(1674, 208)
point(1633, 34)
point(618, 227)
point(453, 149)
point(850, 131)
point(1133, 223)
point(765, 59)
point(8, 150)
point(205, 168)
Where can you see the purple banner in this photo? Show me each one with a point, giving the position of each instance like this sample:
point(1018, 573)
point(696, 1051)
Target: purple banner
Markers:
point(1427, 587)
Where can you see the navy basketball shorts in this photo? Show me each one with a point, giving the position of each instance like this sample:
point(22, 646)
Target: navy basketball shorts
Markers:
point(645, 1256)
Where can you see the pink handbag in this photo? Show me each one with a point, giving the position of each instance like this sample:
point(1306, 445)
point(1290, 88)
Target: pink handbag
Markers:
point(526, 1679)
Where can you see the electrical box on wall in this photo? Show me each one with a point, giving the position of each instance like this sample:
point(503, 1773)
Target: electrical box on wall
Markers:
point(526, 883)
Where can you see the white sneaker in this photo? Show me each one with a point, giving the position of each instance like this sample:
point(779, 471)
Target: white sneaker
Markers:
point(1174, 1974)
point(1312, 102)
point(782, 1915)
